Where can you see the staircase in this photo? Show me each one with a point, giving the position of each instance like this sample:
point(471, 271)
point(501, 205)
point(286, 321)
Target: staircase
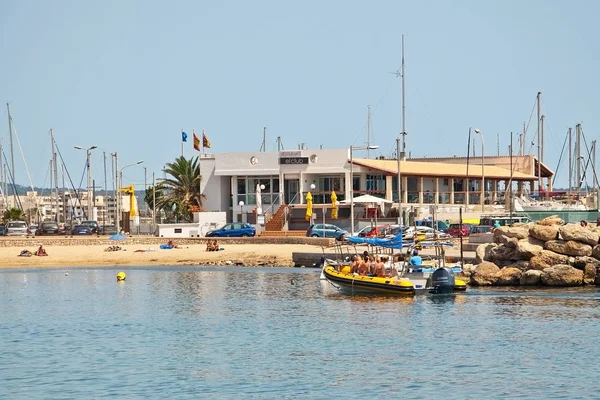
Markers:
point(274, 226)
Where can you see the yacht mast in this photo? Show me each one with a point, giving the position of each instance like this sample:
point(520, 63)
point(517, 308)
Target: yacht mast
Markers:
point(578, 155)
point(368, 129)
point(570, 161)
point(539, 140)
point(403, 103)
point(55, 173)
point(12, 154)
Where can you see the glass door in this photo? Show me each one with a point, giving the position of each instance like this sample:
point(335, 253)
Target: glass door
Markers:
point(290, 188)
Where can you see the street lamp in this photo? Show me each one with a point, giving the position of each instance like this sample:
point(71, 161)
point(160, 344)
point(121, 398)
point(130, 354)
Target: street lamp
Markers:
point(118, 194)
point(312, 216)
point(352, 148)
point(477, 131)
point(89, 178)
point(241, 204)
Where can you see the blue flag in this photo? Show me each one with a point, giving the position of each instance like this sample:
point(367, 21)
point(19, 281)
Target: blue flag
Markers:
point(183, 136)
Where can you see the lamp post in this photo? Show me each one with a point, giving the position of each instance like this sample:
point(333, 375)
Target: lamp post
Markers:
point(89, 178)
point(477, 131)
point(118, 194)
point(312, 216)
point(352, 148)
point(241, 204)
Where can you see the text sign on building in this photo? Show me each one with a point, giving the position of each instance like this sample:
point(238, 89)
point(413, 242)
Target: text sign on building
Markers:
point(290, 153)
point(293, 160)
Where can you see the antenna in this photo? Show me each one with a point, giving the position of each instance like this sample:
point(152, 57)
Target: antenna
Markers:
point(401, 73)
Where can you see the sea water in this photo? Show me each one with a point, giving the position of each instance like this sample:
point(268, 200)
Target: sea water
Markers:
point(282, 333)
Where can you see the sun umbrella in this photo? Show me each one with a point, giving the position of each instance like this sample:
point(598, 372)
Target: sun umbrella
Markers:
point(334, 206)
point(258, 199)
point(309, 205)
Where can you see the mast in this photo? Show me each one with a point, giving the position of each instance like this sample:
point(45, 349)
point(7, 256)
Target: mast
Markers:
point(570, 161)
point(578, 155)
point(263, 146)
point(105, 193)
point(12, 153)
point(539, 118)
point(403, 103)
point(55, 172)
point(522, 140)
point(368, 129)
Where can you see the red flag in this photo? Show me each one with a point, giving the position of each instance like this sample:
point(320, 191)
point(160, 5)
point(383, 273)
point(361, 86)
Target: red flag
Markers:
point(196, 142)
point(205, 141)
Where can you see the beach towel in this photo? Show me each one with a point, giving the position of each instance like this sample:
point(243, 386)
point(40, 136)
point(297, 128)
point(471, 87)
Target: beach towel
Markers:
point(166, 246)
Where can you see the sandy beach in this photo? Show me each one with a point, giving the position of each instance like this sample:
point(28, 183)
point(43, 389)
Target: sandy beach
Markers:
point(142, 255)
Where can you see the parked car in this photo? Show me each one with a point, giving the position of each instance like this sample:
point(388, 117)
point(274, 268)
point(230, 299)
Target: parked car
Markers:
point(81, 230)
point(441, 226)
point(33, 229)
point(2, 230)
point(16, 228)
point(455, 230)
point(378, 231)
point(109, 230)
point(93, 226)
point(236, 229)
point(481, 229)
point(48, 228)
point(428, 233)
point(327, 231)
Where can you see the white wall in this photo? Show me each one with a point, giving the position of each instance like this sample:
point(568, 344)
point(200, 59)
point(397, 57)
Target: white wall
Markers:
point(203, 222)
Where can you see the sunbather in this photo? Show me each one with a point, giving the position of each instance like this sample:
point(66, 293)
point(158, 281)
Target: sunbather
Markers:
point(41, 251)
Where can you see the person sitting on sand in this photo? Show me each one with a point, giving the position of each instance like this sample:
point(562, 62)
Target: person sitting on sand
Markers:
point(171, 244)
point(41, 251)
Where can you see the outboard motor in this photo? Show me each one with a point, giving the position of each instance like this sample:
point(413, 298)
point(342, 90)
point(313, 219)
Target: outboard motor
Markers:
point(442, 281)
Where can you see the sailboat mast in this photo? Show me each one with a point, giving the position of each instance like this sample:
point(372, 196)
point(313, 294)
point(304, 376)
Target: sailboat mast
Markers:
point(12, 153)
point(368, 129)
point(55, 170)
point(539, 139)
point(578, 154)
point(570, 161)
point(403, 103)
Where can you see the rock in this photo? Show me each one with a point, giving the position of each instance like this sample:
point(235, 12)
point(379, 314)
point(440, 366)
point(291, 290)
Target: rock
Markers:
point(486, 274)
point(522, 265)
point(228, 262)
point(509, 276)
point(579, 234)
point(482, 253)
point(503, 252)
point(596, 252)
point(596, 229)
point(570, 248)
point(467, 270)
point(561, 275)
point(531, 278)
point(502, 233)
point(529, 247)
point(581, 262)
point(551, 220)
point(544, 232)
point(547, 259)
point(589, 274)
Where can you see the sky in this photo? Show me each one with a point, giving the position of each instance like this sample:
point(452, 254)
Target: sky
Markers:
point(128, 76)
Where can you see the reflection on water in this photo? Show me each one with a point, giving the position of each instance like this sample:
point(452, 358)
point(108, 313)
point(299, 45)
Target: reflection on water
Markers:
point(284, 333)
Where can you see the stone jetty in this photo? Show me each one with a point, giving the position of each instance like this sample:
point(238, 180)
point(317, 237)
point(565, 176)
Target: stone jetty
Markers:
point(545, 253)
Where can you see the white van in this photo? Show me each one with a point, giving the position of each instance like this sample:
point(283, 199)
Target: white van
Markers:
point(503, 220)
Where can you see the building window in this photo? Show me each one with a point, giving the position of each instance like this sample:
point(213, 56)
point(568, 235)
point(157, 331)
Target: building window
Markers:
point(375, 183)
point(247, 190)
point(330, 184)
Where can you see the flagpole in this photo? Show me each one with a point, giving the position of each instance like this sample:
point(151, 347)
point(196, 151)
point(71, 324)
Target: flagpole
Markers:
point(202, 141)
point(182, 142)
point(199, 173)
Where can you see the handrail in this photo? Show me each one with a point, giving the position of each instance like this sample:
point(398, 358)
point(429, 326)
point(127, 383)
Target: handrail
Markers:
point(275, 201)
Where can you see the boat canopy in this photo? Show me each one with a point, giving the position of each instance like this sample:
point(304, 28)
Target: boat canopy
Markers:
point(390, 243)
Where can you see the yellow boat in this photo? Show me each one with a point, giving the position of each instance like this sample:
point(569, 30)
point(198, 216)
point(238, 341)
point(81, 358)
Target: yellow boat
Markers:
point(440, 281)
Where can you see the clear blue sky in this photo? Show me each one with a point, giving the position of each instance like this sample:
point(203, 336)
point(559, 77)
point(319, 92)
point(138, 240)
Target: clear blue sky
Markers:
point(127, 76)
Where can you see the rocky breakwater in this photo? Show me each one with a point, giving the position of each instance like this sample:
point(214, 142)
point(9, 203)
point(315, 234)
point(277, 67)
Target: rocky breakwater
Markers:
point(546, 253)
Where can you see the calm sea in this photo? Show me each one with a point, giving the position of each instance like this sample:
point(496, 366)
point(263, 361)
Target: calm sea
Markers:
point(244, 333)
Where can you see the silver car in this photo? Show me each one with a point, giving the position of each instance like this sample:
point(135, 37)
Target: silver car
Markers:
point(16, 228)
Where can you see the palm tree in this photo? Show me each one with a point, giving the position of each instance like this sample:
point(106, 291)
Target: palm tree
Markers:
point(14, 214)
point(181, 188)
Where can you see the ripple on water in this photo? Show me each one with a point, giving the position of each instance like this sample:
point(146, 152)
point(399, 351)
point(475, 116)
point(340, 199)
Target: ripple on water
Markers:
point(283, 333)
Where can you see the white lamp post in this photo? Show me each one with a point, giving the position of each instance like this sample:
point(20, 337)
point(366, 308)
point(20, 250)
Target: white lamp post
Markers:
point(352, 148)
point(89, 178)
point(312, 216)
point(241, 204)
point(477, 131)
point(118, 194)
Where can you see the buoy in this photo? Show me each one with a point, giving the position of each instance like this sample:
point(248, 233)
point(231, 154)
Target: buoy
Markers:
point(67, 273)
point(121, 276)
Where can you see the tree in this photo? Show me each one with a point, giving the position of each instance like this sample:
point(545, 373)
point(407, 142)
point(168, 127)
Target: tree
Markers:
point(181, 188)
point(14, 214)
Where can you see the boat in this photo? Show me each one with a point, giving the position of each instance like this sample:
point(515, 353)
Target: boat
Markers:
point(433, 277)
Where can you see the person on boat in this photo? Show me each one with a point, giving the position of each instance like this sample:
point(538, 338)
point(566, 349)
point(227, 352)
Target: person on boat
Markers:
point(496, 225)
point(583, 223)
point(363, 266)
point(598, 221)
point(354, 264)
point(416, 259)
point(41, 251)
point(379, 269)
